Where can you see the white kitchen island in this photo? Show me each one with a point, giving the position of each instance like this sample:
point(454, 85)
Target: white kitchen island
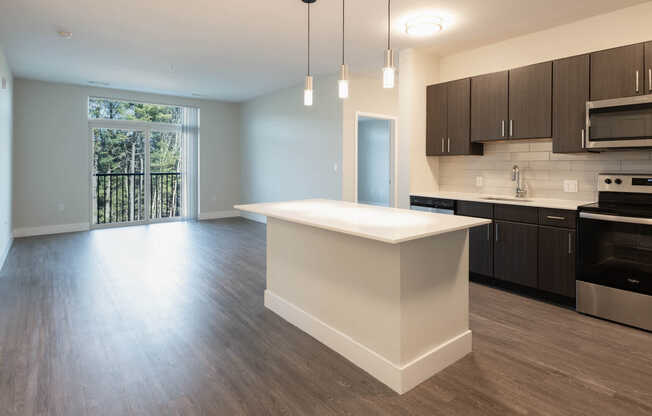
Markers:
point(386, 288)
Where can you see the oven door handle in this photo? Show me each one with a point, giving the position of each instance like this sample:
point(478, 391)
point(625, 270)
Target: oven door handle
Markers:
point(616, 218)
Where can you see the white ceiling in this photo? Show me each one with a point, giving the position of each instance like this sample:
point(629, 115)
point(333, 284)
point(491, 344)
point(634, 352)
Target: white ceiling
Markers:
point(235, 49)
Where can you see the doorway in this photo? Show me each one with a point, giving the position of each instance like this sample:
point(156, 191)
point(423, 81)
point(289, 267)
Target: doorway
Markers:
point(375, 159)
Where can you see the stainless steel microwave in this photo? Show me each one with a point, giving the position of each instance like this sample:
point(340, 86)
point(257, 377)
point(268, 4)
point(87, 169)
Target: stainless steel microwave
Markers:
point(619, 123)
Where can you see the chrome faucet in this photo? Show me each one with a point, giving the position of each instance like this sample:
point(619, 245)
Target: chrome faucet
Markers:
point(516, 177)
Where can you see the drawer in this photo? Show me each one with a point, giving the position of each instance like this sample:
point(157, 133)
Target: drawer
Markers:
point(517, 213)
point(557, 218)
point(475, 209)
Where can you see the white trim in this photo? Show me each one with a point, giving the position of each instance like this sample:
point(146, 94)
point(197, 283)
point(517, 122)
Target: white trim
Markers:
point(50, 229)
point(400, 378)
point(254, 217)
point(394, 155)
point(5, 254)
point(218, 214)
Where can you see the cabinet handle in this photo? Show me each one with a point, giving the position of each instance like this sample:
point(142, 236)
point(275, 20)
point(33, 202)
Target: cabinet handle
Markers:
point(553, 217)
point(488, 232)
point(511, 128)
point(442, 145)
point(449, 145)
point(583, 138)
point(502, 123)
point(496, 232)
point(570, 243)
point(637, 82)
point(649, 79)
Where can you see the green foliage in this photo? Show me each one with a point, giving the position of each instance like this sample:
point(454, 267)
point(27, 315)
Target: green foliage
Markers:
point(104, 109)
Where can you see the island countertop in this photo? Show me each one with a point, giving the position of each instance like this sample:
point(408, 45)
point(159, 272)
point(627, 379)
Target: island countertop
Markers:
point(388, 225)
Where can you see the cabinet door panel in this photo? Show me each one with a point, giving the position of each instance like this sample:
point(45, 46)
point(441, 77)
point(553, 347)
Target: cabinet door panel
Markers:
point(618, 72)
point(516, 253)
point(557, 261)
point(481, 256)
point(648, 68)
point(459, 115)
point(436, 119)
point(530, 101)
point(489, 101)
point(570, 94)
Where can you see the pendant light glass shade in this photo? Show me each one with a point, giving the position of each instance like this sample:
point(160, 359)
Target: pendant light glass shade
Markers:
point(389, 72)
point(307, 92)
point(343, 83)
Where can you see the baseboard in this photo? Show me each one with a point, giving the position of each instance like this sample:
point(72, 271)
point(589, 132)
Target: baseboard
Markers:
point(217, 215)
point(5, 252)
point(254, 217)
point(400, 378)
point(50, 229)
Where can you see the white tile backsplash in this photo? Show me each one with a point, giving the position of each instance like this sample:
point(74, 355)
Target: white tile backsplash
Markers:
point(543, 172)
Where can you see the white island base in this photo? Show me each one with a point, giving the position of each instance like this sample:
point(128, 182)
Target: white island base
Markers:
point(398, 310)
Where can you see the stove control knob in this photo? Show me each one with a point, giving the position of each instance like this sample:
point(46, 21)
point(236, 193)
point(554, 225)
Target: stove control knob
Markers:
point(618, 181)
point(607, 181)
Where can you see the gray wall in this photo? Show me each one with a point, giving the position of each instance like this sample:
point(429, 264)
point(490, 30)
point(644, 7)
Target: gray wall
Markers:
point(374, 154)
point(51, 155)
point(6, 140)
point(289, 150)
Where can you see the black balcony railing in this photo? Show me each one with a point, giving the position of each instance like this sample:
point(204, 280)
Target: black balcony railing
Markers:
point(120, 197)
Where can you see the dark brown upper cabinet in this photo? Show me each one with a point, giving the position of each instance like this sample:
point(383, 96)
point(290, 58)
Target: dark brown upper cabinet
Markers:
point(489, 107)
point(570, 93)
point(448, 120)
point(648, 67)
point(618, 72)
point(436, 119)
point(530, 101)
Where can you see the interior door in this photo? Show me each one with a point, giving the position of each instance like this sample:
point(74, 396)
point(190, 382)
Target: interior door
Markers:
point(118, 185)
point(618, 72)
point(530, 101)
point(437, 120)
point(571, 83)
point(489, 107)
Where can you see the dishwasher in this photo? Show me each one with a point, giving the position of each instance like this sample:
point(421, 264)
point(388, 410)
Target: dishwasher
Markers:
point(436, 205)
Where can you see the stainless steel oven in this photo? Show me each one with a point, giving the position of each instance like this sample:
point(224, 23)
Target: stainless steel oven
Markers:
point(619, 123)
point(614, 278)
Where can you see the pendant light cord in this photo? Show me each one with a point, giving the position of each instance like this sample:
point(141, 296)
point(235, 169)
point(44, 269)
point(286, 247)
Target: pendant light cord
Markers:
point(308, 38)
point(343, 28)
point(389, 19)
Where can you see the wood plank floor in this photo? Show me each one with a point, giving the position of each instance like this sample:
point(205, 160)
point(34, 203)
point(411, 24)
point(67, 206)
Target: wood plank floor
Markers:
point(168, 319)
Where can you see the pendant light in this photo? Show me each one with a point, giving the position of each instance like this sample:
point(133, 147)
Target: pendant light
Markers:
point(343, 83)
point(388, 69)
point(308, 90)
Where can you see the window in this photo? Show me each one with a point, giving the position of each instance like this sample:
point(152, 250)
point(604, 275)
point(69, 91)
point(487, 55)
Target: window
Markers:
point(107, 109)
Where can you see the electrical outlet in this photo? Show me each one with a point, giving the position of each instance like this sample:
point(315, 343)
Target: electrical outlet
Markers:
point(61, 207)
point(570, 186)
point(479, 181)
point(335, 167)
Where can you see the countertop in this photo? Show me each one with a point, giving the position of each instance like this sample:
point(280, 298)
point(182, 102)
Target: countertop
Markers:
point(388, 225)
point(532, 202)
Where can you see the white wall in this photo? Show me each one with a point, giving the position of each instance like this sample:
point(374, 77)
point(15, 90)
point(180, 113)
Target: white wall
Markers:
point(418, 69)
point(6, 140)
point(543, 170)
point(51, 156)
point(374, 155)
point(368, 96)
point(290, 151)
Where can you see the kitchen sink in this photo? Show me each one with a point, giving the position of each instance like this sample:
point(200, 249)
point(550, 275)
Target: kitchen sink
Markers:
point(492, 198)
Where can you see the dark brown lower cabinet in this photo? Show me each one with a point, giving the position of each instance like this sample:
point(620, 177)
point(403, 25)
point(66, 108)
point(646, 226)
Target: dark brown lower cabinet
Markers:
point(481, 250)
point(516, 253)
point(557, 261)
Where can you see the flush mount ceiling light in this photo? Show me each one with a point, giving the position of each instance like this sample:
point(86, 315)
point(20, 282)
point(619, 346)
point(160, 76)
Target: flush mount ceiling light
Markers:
point(64, 34)
point(308, 90)
point(422, 26)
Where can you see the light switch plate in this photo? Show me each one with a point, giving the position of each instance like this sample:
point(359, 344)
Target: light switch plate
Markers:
point(4, 83)
point(479, 181)
point(570, 186)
